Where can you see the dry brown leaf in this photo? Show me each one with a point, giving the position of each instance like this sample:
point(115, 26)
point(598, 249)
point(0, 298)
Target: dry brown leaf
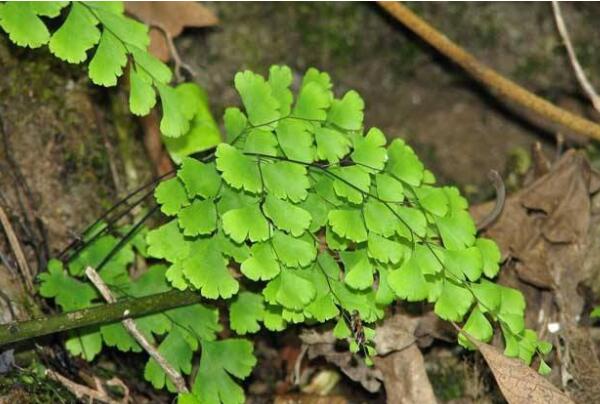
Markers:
point(172, 17)
point(519, 383)
point(323, 344)
point(551, 231)
point(399, 365)
point(405, 378)
point(544, 228)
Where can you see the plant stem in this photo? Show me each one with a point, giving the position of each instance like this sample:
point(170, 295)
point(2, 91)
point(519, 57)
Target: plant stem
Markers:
point(134, 331)
point(103, 314)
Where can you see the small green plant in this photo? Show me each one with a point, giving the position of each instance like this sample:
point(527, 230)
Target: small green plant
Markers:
point(301, 217)
point(116, 40)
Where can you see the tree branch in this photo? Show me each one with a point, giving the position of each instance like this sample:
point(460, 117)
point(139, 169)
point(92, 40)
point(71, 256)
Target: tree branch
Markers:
point(496, 82)
point(103, 314)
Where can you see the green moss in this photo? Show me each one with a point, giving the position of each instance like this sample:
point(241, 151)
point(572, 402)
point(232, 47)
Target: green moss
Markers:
point(31, 386)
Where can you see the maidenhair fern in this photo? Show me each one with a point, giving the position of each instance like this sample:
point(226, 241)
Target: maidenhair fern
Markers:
point(101, 32)
point(302, 217)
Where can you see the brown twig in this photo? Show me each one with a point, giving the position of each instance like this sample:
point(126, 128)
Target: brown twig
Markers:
point(179, 64)
point(80, 390)
point(489, 77)
point(131, 327)
point(17, 249)
point(579, 73)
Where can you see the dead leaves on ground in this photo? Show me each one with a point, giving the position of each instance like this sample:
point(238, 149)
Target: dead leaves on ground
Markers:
point(399, 365)
point(519, 383)
point(549, 234)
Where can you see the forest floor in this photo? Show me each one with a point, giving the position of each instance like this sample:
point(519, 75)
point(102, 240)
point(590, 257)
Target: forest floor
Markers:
point(73, 142)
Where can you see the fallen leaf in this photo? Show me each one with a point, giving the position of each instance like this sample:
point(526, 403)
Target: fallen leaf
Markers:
point(399, 363)
point(404, 377)
point(323, 344)
point(172, 17)
point(519, 383)
point(544, 228)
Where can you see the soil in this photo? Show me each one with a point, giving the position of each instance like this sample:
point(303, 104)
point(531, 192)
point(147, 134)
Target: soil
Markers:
point(410, 91)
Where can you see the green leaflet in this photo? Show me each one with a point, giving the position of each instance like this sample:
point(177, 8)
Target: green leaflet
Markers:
point(313, 102)
point(389, 189)
point(385, 250)
point(235, 123)
point(168, 242)
point(85, 342)
point(204, 132)
point(261, 142)
point(220, 361)
point(70, 293)
point(262, 107)
point(171, 195)
point(358, 269)
point(286, 180)
point(332, 145)
point(206, 269)
point(246, 223)
point(369, 151)
point(263, 263)
point(174, 122)
point(142, 96)
point(318, 210)
point(379, 218)
point(453, 302)
point(478, 326)
point(238, 170)
point(286, 216)
point(198, 218)
point(296, 140)
point(348, 223)
point(408, 282)
point(294, 252)
point(280, 79)
point(347, 113)
point(404, 164)
point(464, 263)
point(457, 230)
point(107, 63)
point(246, 310)
point(289, 290)
point(200, 179)
point(177, 352)
point(490, 254)
point(76, 36)
point(351, 183)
